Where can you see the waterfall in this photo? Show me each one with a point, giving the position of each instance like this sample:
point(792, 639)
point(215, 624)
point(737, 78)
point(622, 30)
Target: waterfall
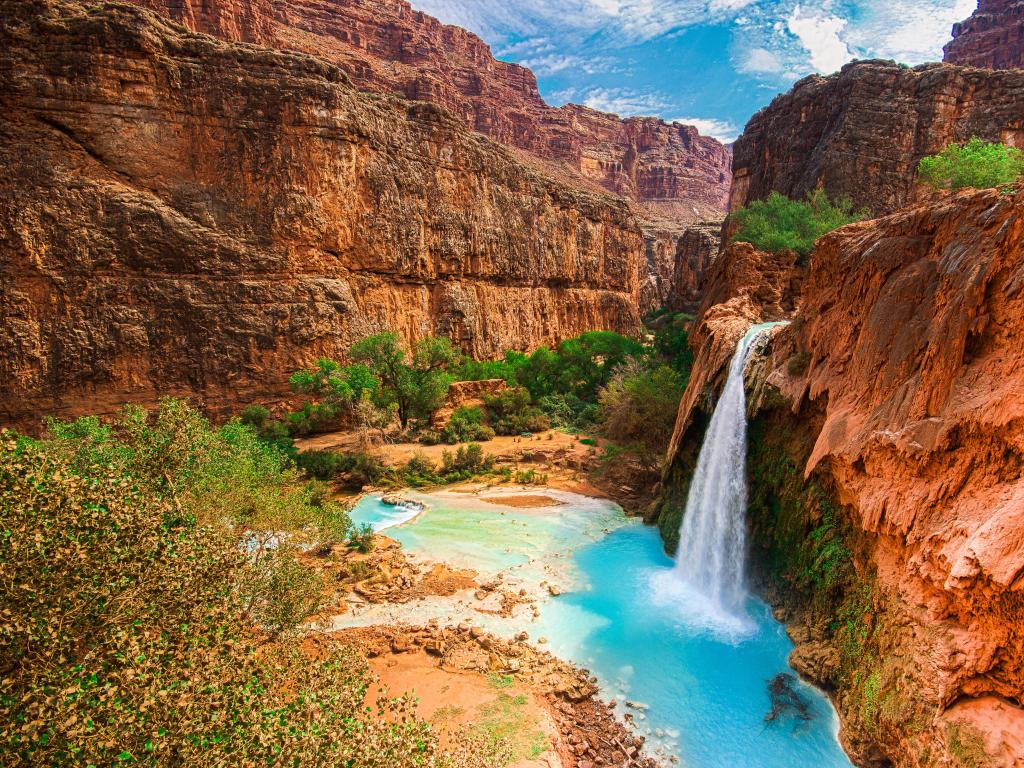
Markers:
point(713, 535)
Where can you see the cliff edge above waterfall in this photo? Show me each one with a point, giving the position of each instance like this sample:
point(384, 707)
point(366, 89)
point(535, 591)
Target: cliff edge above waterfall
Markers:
point(886, 475)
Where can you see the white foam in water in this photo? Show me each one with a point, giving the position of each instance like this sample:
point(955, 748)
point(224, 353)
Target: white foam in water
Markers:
point(709, 582)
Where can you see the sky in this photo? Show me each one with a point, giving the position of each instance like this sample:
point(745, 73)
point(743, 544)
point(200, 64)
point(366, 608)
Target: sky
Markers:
point(709, 63)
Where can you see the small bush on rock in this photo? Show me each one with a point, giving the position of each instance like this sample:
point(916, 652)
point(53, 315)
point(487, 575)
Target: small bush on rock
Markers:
point(976, 164)
point(780, 224)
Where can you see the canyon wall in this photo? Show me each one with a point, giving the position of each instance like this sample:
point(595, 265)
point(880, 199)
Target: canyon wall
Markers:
point(887, 500)
point(184, 216)
point(992, 38)
point(861, 132)
point(387, 46)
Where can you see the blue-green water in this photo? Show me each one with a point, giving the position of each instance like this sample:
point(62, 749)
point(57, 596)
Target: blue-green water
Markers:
point(702, 682)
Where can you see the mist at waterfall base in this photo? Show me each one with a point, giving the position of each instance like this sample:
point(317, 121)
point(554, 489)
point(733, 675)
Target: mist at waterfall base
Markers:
point(704, 689)
point(709, 582)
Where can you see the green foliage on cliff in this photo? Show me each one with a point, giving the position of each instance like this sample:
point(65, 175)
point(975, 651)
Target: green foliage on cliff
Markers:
point(779, 224)
point(976, 164)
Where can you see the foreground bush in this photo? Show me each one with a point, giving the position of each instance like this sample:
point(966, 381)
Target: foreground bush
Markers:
point(780, 224)
point(152, 601)
point(976, 164)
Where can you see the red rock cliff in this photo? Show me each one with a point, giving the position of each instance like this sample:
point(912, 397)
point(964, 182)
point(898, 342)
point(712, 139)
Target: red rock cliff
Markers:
point(387, 46)
point(179, 215)
point(899, 390)
point(993, 37)
point(862, 132)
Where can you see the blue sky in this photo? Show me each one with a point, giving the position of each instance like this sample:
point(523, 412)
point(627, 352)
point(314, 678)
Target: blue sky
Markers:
point(712, 63)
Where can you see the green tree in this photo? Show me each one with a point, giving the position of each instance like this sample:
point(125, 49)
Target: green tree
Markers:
point(416, 387)
point(780, 224)
point(976, 164)
point(637, 407)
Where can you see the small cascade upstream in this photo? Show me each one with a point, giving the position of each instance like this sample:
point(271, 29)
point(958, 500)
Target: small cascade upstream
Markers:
point(712, 537)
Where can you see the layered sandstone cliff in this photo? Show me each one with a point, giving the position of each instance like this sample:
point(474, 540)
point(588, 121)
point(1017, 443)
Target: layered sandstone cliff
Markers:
point(861, 133)
point(387, 46)
point(992, 38)
point(180, 215)
point(886, 457)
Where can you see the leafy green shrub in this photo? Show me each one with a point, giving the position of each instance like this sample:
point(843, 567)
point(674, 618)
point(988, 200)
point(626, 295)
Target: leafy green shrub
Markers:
point(105, 664)
point(566, 411)
point(976, 164)
point(588, 441)
point(635, 405)
point(531, 477)
point(511, 412)
point(466, 424)
point(268, 429)
point(322, 465)
point(672, 344)
point(430, 437)
point(361, 538)
point(469, 459)
point(780, 224)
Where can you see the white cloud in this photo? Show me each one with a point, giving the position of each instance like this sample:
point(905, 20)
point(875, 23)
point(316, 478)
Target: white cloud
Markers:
point(760, 61)
point(553, 63)
point(722, 130)
point(820, 36)
point(622, 101)
point(912, 33)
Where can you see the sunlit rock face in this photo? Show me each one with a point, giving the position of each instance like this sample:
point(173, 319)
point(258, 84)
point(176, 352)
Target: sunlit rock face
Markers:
point(185, 216)
point(905, 403)
point(992, 38)
point(387, 46)
point(861, 133)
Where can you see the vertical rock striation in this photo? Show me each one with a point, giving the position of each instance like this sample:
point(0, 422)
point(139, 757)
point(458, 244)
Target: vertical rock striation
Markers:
point(992, 38)
point(184, 216)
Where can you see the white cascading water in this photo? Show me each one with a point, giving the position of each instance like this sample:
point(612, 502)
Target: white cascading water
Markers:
point(713, 535)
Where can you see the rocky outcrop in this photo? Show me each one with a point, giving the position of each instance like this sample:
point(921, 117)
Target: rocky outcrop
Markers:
point(887, 499)
point(239, 21)
point(861, 133)
point(387, 46)
point(696, 249)
point(183, 216)
point(992, 38)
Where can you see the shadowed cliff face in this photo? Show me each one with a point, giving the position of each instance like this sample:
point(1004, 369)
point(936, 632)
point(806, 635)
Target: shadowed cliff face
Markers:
point(992, 38)
point(862, 132)
point(909, 377)
point(386, 46)
point(180, 215)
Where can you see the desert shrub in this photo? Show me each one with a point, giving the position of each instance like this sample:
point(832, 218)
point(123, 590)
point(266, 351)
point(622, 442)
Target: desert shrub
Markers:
point(321, 465)
point(361, 538)
point(567, 411)
point(531, 477)
point(672, 345)
point(511, 412)
point(268, 429)
point(976, 164)
point(467, 461)
point(780, 224)
point(635, 406)
point(363, 469)
point(466, 424)
point(429, 437)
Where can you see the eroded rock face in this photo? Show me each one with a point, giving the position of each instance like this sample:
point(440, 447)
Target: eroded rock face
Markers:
point(913, 327)
point(861, 133)
point(696, 250)
point(387, 46)
point(992, 38)
point(897, 390)
point(183, 216)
